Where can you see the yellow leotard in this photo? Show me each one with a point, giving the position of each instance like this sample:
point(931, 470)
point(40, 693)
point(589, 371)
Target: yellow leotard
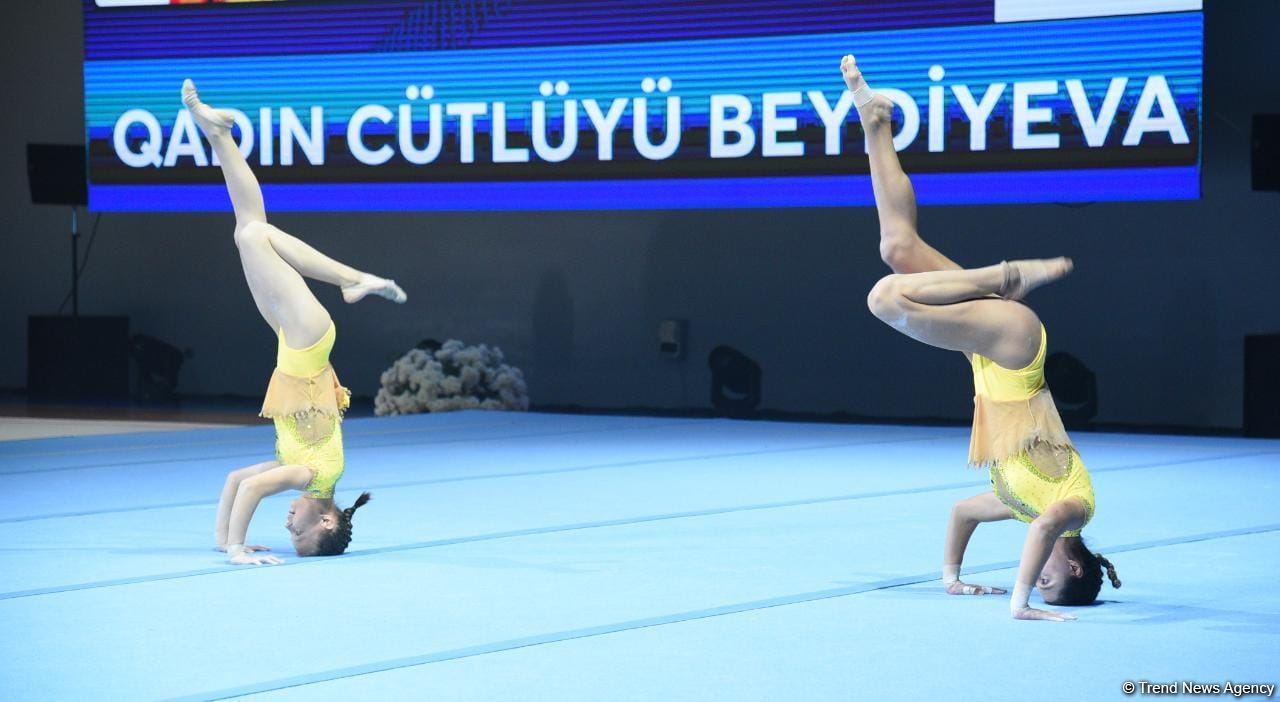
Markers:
point(306, 402)
point(1027, 490)
point(1017, 433)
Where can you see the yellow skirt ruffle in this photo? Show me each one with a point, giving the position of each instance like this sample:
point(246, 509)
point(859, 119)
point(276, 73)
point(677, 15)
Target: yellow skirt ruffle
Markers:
point(1004, 429)
point(291, 396)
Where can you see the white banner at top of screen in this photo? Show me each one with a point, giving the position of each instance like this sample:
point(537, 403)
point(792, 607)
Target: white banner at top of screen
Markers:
point(1030, 10)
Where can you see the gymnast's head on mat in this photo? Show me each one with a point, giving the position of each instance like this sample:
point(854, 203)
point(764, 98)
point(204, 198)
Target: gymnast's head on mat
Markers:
point(1073, 574)
point(318, 527)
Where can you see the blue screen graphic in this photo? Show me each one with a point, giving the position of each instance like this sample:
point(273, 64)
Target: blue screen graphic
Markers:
point(455, 105)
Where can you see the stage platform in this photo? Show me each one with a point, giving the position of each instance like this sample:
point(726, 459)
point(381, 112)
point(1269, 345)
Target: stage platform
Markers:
point(570, 557)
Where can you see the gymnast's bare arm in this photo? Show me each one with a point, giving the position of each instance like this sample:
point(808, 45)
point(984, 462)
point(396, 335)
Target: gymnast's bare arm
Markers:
point(1043, 533)
point(229, 488)
point(965, 518)
point(248, 494)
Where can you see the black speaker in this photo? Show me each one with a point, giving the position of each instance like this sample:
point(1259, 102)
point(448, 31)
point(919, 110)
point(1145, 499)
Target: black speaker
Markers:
point(156, 364)
point(735, 382)
point(1262, 385)
point(1265, 152)
point(1074, 388)
point(77, 358)
point(58, 174)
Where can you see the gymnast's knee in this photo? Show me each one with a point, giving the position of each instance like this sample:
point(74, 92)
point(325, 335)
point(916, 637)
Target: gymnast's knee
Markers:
point(885, 298)
point(897, 246)
point(252, 234)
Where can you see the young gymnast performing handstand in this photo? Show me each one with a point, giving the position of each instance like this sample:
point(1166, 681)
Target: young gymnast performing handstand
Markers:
point(304, 398)
point(1036, 474)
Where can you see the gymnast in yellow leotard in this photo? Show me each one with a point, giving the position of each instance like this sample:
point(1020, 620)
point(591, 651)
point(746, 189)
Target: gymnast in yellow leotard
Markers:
point(1037, 476)
point(304, 398)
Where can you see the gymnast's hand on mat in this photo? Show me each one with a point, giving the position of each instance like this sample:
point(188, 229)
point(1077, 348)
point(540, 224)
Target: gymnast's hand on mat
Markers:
point(250, 559)
point(957, 587)
point(241, 555)
point(1032, 613)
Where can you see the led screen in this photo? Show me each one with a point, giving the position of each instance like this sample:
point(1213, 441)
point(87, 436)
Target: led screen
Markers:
point(623, 104)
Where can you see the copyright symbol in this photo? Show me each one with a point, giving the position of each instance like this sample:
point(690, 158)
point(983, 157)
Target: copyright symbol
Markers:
point(1127, 687)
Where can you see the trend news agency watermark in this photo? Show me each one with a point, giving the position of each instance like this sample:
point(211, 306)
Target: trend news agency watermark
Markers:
point(1187, 687)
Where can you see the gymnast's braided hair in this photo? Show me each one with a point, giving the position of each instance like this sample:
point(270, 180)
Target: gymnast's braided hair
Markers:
point(336, 541)
point(1084, 589)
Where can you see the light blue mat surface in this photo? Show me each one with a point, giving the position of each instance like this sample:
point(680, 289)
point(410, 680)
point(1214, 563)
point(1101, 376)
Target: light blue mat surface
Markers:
point(550, 557)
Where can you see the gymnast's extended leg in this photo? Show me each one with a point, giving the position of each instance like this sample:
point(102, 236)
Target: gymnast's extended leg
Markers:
point(901, 246)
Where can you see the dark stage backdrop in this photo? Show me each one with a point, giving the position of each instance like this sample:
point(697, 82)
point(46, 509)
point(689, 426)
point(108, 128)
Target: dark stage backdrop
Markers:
point(1163, 294)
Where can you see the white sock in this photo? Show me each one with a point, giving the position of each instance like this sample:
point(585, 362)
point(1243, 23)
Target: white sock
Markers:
point(211, 121)
point(372, 284)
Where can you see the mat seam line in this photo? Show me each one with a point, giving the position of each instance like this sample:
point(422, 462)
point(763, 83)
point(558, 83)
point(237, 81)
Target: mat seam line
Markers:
point(665, 620)
point(538, 531)
point(495, 476)
point(120, 464)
